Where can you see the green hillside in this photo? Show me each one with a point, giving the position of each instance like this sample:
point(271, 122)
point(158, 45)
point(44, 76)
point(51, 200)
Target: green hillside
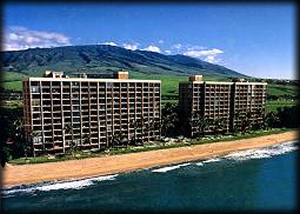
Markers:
point(171, 69)
point(281, 90)
point(12, 80)
point(102, 59)
point(105, 58)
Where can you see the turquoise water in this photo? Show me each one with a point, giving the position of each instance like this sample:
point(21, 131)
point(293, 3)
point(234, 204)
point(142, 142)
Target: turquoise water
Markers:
point(262, 179)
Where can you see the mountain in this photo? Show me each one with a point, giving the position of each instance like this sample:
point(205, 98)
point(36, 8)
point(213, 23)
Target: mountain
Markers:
point(105, 58)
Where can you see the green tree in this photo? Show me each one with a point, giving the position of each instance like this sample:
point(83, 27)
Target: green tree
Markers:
point(22, 147)
point(118, 139)
point(258, 119)
point(288, 116)
point(220, 125)
point(12, 131)
point(246, 122)
point(74, 147)
point(86, 139)
point(201, 123)
point(68, 128)
point(138, 127)
point(170, 120)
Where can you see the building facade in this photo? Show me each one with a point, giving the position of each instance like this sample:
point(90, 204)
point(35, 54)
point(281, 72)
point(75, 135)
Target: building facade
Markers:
point(91, 114)
point(210, 107)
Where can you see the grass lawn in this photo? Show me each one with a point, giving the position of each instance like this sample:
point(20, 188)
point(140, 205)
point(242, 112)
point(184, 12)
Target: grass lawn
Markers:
point(13, 81)
point(170, 83)
point(280, 89)
point(273, 105)
point(12, 104)
point(12, 85)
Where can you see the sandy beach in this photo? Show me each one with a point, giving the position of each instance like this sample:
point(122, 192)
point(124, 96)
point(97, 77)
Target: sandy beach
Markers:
point(90, 167)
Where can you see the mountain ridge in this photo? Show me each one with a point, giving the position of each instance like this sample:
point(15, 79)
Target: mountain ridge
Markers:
point(105, 58)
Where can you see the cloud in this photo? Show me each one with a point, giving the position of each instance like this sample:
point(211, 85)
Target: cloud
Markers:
point(161, 41)
point(177, 46)
point(196, 47)
point(209, 55)
point(152, 48)
point(199, 53)
point(108, 43)
point(211, 59)
point(132, 47)
point(168, 51)
point(20, 38)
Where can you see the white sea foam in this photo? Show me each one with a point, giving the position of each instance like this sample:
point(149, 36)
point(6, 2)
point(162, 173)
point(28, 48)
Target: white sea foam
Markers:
point(212, 160)
point(169, 168)
point(66, 185)
point(264, 152)
point(77, 184)
point(267, 152)
point(20, 190)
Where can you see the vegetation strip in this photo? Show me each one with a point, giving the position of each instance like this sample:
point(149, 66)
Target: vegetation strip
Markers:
point(82, 155)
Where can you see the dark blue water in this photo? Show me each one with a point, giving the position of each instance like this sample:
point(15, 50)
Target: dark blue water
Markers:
point(253, 180)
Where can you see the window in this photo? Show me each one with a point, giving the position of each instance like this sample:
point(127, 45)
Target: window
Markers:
point(109, 85)
point(35, 89)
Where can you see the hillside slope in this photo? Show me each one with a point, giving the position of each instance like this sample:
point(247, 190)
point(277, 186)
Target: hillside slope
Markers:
point(104, 58)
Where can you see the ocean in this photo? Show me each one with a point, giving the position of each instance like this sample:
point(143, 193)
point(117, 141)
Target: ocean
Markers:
point(252, 180)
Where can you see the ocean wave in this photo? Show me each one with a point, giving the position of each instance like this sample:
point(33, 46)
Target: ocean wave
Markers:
point(260, 153)
point(199, 164)
point(169, 168)
point(9, 192)
point(73, 184)
point(212, 160)
point(267, 152)
point(79, 184)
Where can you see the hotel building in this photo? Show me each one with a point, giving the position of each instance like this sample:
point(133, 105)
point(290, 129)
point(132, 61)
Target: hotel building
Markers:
point(226, 102)
point(91, 113)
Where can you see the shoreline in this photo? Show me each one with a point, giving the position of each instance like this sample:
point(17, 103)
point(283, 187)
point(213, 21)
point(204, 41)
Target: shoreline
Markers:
point(15, 175)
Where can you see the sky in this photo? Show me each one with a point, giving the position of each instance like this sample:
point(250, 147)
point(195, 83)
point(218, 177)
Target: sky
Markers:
point(254, 39)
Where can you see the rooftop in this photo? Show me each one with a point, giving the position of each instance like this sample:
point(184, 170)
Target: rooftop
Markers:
point(198, 79)
point(119, 76)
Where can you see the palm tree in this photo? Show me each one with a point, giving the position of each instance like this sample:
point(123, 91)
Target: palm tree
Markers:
point(153, 126)
point(35, 136)
point(22, 147)
point(169, 120)
point(74, 147)
point(209, 124)
point(68, 128)
point(246, 121)
point(258, 119)
point(271, 120)
point(134, 125)
point(200, 123)
point(219, 125)
point(138, 125)
point(86, 139)
point(145, 130)
point(117, 139)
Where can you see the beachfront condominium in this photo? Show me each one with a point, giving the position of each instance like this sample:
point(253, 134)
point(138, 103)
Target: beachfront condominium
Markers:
point(211, 106)
point(62, 112)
